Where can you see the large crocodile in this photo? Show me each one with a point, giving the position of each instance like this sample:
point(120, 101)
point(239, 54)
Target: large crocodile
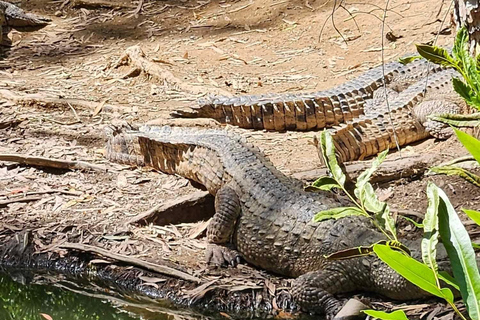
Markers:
point(12, 17)
point(404, 121)
point(266, 214)
point(309, 111)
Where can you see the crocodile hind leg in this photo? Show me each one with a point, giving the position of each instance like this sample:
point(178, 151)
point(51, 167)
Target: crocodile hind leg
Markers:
point(437, 129)
point(314, 291)
point(220, 229)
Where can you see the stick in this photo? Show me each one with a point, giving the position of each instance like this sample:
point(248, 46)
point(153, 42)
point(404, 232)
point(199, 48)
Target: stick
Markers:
point(391, 169)
point(132, 261)
point(51, 163)
point(51, 102)
point(137, 57)
point(4, 203)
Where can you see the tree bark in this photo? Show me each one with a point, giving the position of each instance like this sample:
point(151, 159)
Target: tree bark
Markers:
point(467, 14)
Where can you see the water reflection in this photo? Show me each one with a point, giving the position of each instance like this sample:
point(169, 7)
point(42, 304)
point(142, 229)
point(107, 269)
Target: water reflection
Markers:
point(21, 301)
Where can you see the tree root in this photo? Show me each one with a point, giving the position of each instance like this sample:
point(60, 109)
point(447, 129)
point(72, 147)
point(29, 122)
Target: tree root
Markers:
point(135, 56)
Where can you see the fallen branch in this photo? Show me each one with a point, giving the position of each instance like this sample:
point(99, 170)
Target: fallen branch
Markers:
point(51, 163)
point(4, 203)
point(92, 4)
point(135, 56)
point(132, 261)
point(189, 208)
point(391, 169)
point(44, 101)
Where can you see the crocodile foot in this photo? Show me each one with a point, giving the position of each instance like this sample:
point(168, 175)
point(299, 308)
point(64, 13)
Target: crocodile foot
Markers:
point(221, 256)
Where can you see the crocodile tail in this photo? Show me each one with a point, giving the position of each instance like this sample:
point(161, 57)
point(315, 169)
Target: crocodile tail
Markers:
point(22, 21)
point(303, 111)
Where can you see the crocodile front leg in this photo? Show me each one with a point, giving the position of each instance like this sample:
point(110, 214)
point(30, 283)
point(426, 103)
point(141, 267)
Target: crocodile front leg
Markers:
point(220, 229)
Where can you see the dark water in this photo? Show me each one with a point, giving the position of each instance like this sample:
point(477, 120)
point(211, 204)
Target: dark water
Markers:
point(28, 302)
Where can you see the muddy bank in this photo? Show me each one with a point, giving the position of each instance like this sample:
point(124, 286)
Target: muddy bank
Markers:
point(93, 272)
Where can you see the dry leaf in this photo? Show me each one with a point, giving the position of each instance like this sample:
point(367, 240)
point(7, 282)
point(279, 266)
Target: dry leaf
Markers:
point(46, 316)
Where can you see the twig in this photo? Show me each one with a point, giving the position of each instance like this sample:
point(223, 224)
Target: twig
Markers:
point(387, 103)
point(70, 193)
point(4, 203)
point(51, 163)
point(51, 102)
point(132, 261)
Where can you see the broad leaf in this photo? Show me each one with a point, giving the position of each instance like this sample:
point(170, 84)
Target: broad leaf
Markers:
point(365, 176)
point(395, 315)
point(453, 170)
point(458, 120)
point(448, 279)
point(407, 60)
point(430, 227)
point(462, 89)
point(461, 254)
point(337, 213)
point(470, 143)
point(325, 183)
point(328, 153)
point(414, 271)
point(474, 215)
point(436, 55)
point(459, 49)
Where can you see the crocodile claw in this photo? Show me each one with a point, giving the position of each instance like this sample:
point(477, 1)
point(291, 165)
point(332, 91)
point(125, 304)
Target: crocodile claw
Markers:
point(221, 256)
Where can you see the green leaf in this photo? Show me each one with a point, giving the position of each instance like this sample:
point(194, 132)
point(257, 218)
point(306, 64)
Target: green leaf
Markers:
point(337, 213)
point(462, 89)
point(365, 176)
point(459, 49)
point(395, 315)
point(453, 170)
point(414, 271)
point(325, 183)
point(436, 55)
point(458, 120)
point(448, 279)
point(461, 254)
point(407, 60)
point(474, 215)
point(475, 245)
point(430, 230)
point(470, 143)
point(328, 153)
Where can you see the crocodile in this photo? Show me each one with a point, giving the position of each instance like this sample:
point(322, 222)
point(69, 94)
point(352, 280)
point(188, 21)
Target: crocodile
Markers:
point(309, 111)
point(266, 215)
point(12, 17)
point(408, 110)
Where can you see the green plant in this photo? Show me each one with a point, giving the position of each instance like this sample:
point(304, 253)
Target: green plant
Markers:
point(460, 60)
point(473, 146)
point(365, 200)
point(441, 220)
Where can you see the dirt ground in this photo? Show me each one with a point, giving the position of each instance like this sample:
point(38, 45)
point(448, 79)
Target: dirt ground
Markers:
point(239, 47)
